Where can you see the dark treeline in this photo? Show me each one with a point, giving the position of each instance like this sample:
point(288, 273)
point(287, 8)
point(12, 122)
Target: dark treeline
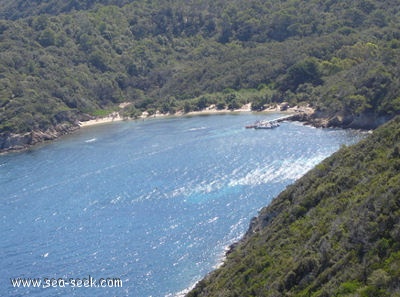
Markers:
point(62, 59)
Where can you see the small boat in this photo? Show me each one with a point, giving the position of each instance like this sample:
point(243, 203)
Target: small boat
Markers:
point(267, 125)
point(264, 125)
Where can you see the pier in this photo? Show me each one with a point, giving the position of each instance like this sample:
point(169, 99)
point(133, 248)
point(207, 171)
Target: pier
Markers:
point(267, 124)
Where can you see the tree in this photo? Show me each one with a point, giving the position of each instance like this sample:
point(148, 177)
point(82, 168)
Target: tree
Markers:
point(258, 104)
point(47, 38)
point(202, 103)
point(306, 71)
point(98, 59)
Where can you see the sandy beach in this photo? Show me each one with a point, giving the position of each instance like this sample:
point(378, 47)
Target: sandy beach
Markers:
point(116, 117)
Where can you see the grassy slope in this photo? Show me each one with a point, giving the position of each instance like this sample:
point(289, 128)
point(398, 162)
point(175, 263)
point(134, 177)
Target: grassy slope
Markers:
point(335, 232)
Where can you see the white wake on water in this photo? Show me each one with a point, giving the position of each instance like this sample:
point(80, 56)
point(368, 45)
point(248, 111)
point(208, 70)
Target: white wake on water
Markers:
point(278, 171)
point(290, 169)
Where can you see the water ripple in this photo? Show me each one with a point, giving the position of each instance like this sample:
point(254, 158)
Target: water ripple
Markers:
point(155, 203)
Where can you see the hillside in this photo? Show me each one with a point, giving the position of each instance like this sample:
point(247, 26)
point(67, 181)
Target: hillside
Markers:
point(334, 232)
point(16, 9)
point(65, 61)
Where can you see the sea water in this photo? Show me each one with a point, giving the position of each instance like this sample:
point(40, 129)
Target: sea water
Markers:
point(152, 203)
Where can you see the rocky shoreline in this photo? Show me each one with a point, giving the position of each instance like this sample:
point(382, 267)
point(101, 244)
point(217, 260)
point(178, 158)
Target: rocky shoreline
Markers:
point(367, 121)
point(66, 122)
point(16, 142)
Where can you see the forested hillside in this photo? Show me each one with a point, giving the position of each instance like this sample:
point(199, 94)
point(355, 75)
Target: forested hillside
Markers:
point(15, 9)
point(335, 232)
point(61, 60)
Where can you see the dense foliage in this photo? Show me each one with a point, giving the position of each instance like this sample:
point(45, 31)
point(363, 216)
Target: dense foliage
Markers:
point(60, 59)
point(335, 232)
point(15, 9)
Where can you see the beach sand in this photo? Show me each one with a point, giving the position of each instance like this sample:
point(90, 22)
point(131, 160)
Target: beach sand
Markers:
point(116, 117)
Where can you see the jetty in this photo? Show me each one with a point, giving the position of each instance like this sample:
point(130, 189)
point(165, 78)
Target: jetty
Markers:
point(267, 124)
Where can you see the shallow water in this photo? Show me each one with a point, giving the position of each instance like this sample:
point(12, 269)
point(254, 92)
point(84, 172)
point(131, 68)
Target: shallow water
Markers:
point(153, 203)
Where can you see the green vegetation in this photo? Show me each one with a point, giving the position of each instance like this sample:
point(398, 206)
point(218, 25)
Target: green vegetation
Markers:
point(84, 56)
point(335, 232)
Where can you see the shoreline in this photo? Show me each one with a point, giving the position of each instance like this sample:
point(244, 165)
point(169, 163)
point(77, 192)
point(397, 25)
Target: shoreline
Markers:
point(116, 117)
point(23, 142)
point(103, 120)
point(211, 110)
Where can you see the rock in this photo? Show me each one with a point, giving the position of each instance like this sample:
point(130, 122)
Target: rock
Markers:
point(64, 122)
point(368, 121)
point(365, 121)
point(9, 141)
point(15, 142)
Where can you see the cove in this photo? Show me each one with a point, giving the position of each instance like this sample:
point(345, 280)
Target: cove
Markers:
point(152, 203)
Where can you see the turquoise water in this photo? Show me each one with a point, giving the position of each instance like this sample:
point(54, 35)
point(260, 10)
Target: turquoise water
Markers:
point(153, 203)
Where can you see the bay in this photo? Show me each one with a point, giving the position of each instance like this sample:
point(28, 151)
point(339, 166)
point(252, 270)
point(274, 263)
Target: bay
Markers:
point(153, 203)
